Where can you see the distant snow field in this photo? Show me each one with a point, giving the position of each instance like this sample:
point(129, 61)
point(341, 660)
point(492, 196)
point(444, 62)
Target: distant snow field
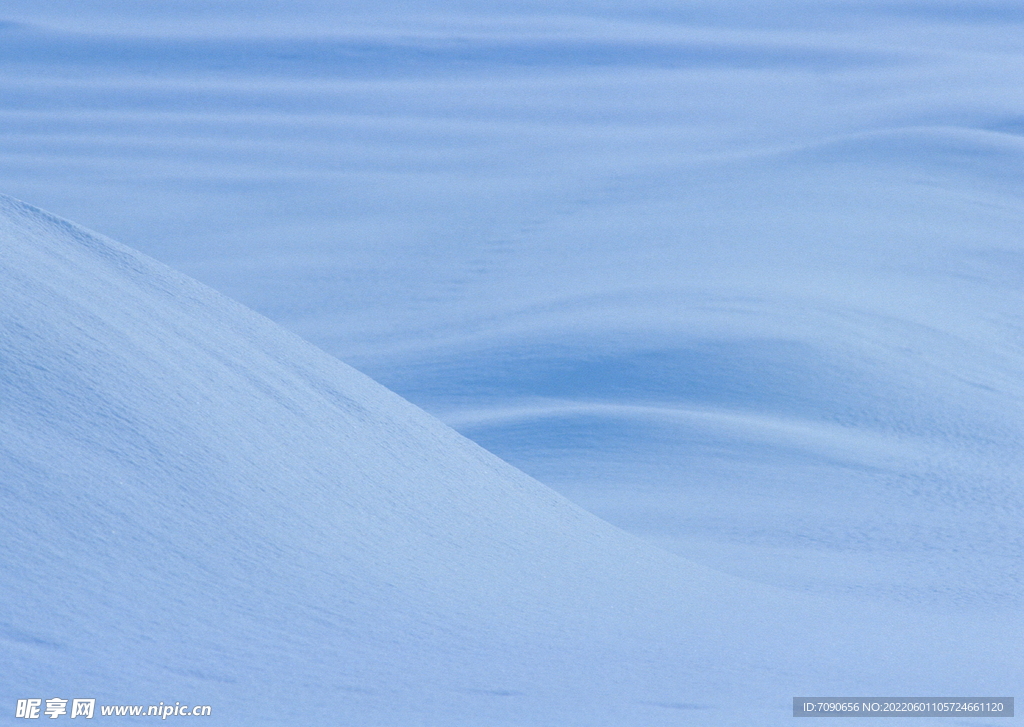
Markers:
point(742, 284)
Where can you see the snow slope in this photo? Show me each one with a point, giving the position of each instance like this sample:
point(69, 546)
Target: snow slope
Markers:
point(200, 507)
point(741, 276)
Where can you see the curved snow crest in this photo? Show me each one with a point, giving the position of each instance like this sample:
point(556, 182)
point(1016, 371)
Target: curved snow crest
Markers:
point(200, 506)
point(940, 152)
point(948, 150)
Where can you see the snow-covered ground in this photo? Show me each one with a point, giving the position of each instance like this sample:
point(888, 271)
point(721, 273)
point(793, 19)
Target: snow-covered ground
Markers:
point(743, 279)
point(201, 507)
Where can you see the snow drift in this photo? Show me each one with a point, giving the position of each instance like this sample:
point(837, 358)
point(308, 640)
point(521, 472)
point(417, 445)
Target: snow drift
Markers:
point(200, 507)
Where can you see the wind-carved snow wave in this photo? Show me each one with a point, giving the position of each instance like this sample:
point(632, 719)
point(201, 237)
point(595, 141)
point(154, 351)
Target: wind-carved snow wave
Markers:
point(743, 279)
point(201, 506)
point(814, 380)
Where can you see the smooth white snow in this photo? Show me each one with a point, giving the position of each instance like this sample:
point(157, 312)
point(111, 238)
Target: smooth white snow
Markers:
point(201, 507)
point(743, 278)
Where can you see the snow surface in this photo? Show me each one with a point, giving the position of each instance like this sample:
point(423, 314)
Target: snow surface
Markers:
point(742, 278)
point(201, 507)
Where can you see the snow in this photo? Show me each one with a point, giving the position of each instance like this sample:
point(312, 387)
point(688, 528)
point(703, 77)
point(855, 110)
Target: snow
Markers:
point(743, 279)
point(200, 506)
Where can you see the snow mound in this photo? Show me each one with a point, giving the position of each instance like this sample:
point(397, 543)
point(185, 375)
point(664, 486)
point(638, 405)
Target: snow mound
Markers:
point(200, 507)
